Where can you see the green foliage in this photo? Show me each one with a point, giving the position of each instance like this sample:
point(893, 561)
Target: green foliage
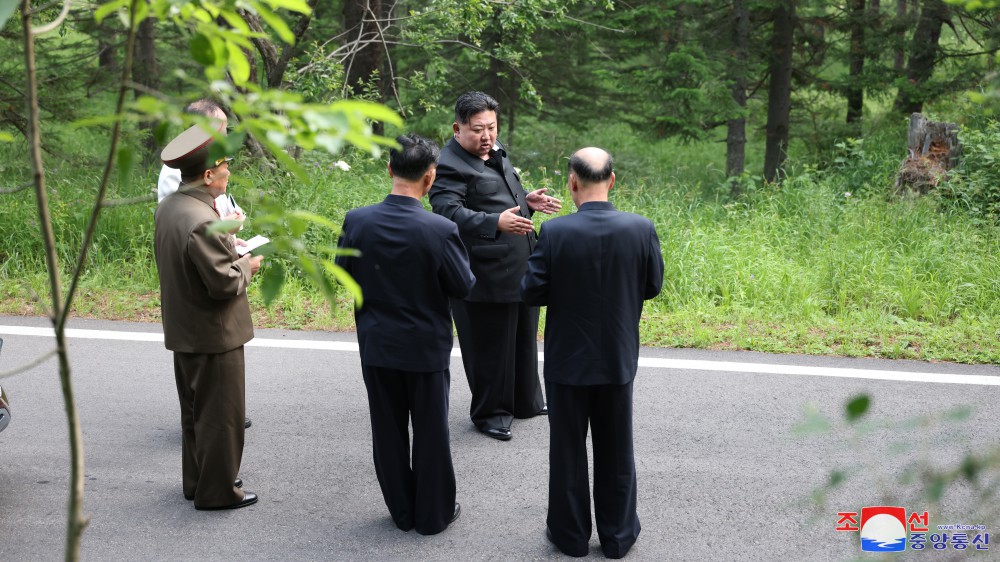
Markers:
point(974, 186)
point(857, 407)
point(908, 460)
point(318, 77)
point(220, 49)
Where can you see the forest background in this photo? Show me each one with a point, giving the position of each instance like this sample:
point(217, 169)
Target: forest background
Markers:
point(764, 139)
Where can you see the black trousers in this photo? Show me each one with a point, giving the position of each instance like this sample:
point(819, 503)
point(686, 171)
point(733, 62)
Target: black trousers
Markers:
point(211, 390)
point(608, 411)
point(500, 355)
point(421, 496)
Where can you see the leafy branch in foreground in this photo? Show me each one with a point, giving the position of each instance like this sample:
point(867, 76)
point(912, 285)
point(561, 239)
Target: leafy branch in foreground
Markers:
point(873, 447)
point(278, 119)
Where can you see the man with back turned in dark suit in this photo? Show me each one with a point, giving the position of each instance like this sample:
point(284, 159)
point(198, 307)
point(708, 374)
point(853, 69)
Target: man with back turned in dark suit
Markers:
point(593, 270)
point(410, 263)
point(478, 189)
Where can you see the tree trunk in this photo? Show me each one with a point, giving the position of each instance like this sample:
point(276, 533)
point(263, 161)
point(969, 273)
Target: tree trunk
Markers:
point(779, 95)
point(899, 61)
point(736, 135)
point(856, 57)
point(932, 149)
point(388, 86)
point(359, 20)
point(147, 74)
point(923, 54)
point(106, 61)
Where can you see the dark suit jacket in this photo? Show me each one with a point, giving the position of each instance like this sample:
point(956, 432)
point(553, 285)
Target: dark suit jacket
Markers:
point(473, 195)
point(593, 269)
point(411, 262)
point(203, 281)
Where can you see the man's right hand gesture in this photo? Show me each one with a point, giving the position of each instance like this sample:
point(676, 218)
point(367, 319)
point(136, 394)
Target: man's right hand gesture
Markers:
point(512, 222)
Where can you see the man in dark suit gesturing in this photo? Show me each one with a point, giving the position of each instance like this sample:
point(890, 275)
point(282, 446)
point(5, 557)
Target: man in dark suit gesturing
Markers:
point(478, 189)
point(411, 262)
point(593, 269)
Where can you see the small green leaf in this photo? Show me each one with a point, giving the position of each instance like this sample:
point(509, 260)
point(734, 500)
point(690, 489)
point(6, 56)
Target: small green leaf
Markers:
point(857, 407)
point(960, 413)
point(6, 137)
point(277, 24)
point(347, 281)
point(314, 218)
point(371, 110)
point(99, 14)
point(935, 488)
point(233, 142)
point(970, 468)
point(201, 50)
point(239, 67)
point(125, 158)
point(270, 286)
point(291, 5)
point(162, 133)
point(223, 226)
point(836, 478)
point(141, 12)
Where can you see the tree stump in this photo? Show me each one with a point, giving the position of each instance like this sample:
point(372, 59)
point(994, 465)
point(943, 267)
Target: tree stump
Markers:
point(933, 149)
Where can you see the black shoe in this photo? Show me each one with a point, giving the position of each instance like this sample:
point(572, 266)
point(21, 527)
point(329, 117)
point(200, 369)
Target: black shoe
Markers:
point(458, 511)
point(500, 433)
point(247, 423)
point(544, 411)
point(249, 498)
point(238, 483)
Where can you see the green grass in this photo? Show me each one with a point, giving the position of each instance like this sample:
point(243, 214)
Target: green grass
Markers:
point(800, 268)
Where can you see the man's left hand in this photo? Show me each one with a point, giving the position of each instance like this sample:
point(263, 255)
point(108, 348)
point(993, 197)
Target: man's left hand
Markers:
point(538, 201)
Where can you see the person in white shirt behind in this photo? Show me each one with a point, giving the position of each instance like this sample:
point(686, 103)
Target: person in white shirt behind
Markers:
point(170, 178)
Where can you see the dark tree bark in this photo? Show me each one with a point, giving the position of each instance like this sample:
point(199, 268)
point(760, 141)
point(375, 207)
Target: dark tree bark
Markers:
point(145, 72)
point(899, 60)
point(856, 65)
point(362, 27)
point(275, 60)
point(388, 86)
point(779, 95)
point(106, 60)
point(923, 54)
point(736, 128)
point(361, 23)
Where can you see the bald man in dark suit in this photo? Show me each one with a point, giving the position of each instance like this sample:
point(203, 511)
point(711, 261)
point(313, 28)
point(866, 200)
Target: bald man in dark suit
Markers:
point(593, 270)
point(411, 262)
point(206, 321)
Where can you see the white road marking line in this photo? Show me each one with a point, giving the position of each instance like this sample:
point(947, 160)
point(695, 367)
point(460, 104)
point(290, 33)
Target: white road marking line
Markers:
point(646, 362)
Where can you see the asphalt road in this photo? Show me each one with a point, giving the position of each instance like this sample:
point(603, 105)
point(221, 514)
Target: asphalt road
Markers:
point(723, 472)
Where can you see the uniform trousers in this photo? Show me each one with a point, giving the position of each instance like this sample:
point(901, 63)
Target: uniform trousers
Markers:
point(608, 411)
point(420, 496)
point(500, 354)
point(211, 389)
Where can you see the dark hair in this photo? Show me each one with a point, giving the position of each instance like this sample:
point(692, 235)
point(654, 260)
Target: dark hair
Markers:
point(416, 156)
point(586, 174)
point(204, 107)
point(471, 103)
